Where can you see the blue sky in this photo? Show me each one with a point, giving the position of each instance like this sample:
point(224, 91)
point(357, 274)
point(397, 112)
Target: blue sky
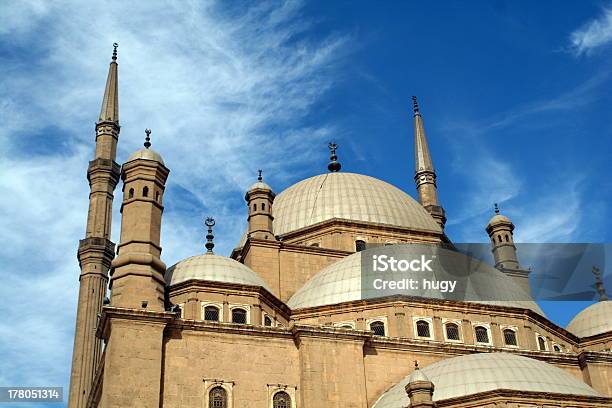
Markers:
point(515, 98)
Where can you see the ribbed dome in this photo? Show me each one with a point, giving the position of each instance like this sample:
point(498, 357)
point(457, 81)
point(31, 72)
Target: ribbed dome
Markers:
point(595, 319)
point(347, 196)
point(343, 281)
point(212, 268)
point(147, 154)
point(474, 373)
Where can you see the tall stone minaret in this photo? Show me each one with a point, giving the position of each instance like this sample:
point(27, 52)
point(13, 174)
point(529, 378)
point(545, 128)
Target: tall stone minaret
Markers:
point(260, 198)
point(96, 251)
point(425, 175)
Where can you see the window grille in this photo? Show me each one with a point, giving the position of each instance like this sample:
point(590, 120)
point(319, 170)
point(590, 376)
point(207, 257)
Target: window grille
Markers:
point(217, 398)
point(541, 343)
point(211, 313)
point(510, 337)
point(281, 400)
point(378, 328)
point(239, 316)
point(422, 328)
point(482, 334)
point(452, 331)
point(360, 245)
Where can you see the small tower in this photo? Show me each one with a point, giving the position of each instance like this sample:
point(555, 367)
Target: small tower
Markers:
point(500, 230)
point(420, 389)
point(425, 175)
point(259, 198)
point(599, 286)
point(138, 272)
point(96, 251)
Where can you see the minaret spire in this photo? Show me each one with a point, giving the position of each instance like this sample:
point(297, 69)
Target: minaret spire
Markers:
point(599, 284)
point(210, 244)
point(110, 103)
point(96, 251)
point(425, 175)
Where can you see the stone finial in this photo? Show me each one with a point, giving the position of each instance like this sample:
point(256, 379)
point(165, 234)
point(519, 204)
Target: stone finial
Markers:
point(599, 284)
point(210, 223)
point(333, 165)
point(259, 178)
point(416, 364)
point(147, 142)
point(496, 208)
point(115, 45)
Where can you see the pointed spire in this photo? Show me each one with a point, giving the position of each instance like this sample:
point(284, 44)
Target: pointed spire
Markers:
point(599, 284)
point(209, 222)
point(333, 165)
point(147, 142)
point(110, 103)
point(422, 157)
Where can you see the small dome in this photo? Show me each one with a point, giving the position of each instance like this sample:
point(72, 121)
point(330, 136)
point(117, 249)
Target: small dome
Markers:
point(343, 281)
point(212, 267)
point(475, 373)
point(260, 185)
point(417, 376)
point(347, 196)
point(147, 154)
point(593, 320)
point(499, 219)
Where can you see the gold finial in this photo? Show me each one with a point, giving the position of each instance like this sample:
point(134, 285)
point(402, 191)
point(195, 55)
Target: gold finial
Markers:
point(209, 222)
point(333, 165)
point(115, 45)
point(147, 142)
point(599, 284)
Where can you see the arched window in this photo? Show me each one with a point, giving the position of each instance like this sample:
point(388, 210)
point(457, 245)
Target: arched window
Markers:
point(157, 196)
point(217, 398)
point(131, 193)
point(281, 400)
point(254, 207)
point(263, 206)
point(422, 328)
point(145, 191)
point(482, 334)
point(541, 343)
point(239, 315)
point(211, 313)
point(510, 337)
point(314, 244)
point(557, 348)
point(267, 321)
point(360, 245)
point(378, 328)
point(507, 238)
point(346, 326)
point(452, 331)
point(499, 238)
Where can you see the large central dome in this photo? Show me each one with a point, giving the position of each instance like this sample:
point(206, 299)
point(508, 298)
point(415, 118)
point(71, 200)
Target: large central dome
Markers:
point(347, 196)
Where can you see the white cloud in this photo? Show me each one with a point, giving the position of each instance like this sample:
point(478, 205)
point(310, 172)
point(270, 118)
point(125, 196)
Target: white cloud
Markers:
point(225, 90)
point(592, 35)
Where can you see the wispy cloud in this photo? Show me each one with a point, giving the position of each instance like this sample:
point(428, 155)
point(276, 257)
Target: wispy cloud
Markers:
point(592, 35)
point(226, 90)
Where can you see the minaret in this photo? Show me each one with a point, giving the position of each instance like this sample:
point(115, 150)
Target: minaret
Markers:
point(420, 389)
point(425, 175)
point(137, 271)
point(500, 230)
point(599, 286)
point(260, 198)
point(96, 251)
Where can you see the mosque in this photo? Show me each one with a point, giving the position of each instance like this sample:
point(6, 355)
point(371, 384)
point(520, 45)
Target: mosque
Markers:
point(283, 323)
